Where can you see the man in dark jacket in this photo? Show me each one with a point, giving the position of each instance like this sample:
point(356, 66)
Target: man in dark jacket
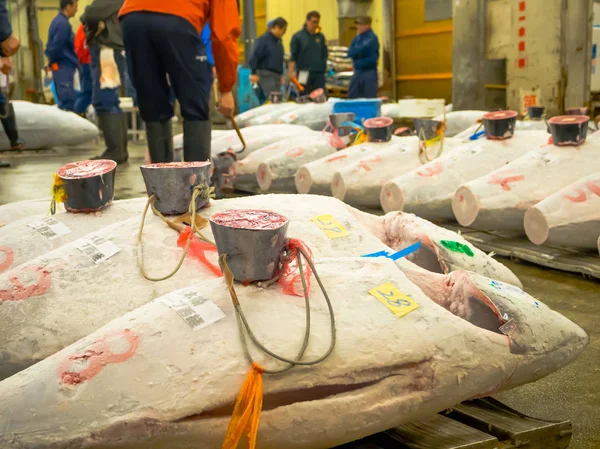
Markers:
point(364, 51)
point(266, 62)
point(60, 51)
point(9, 45)
point(309, 54)
point(103, 34)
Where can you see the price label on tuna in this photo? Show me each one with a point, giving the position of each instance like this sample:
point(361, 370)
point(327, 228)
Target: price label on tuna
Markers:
point(399, 303)
point(98, 248)
point(50, 228)
point(330, 226)
point(196, 310)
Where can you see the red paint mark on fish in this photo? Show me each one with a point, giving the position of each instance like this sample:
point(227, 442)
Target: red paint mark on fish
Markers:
point(522, 5)
point(504, 182)
point(86, 169)
point(521, 19)
point(580, 196)
point(522, 46)
point(19, 292)
point(522, 63)
point(521, 31)
point(96, 356)
point(249, 219)
point(337, 157)
point(295, 152)
point(435, 169)
point(9, 257)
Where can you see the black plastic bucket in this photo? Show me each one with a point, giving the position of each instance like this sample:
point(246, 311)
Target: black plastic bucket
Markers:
point(88, 185)
point(253, 241)
point(378, 129)
point(536, 113)
point(500, 125)
point(569, 129)
point(172, 183)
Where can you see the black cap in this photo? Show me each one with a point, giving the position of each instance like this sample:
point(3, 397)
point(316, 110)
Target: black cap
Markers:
point(363, 20)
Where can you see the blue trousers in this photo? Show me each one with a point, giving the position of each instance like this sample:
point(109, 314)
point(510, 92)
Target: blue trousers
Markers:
point(63, 81)
point(363, 84)
point(158, 45)
point(105, 101)
point(83, 98)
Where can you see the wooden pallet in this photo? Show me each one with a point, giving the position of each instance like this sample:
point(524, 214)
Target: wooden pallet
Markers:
point(478, 424)
point(516, 246)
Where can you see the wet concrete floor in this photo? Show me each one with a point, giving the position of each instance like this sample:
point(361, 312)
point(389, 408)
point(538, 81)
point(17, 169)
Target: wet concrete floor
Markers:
point(572, 393)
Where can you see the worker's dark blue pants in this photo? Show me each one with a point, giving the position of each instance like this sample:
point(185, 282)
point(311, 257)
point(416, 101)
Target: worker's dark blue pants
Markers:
point(363, 84)
point(105, 101)
point(158, 45)
point(83, 98)
point(316, 80)
point(65, 91)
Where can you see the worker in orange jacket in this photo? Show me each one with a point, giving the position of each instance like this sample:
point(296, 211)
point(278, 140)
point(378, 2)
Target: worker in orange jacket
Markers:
point(162, 37)
point(83, 98)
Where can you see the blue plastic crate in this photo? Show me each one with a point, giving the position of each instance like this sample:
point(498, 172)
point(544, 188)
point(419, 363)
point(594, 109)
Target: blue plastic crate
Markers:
point(364, 108)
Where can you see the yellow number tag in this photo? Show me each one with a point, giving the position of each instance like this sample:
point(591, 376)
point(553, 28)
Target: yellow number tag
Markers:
point(330, 226)
point(430, 142)
point(394, 299)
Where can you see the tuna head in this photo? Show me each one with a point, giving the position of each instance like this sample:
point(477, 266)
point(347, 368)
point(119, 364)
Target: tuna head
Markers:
point(441, 251)
point(541, 340)
point(167, 374)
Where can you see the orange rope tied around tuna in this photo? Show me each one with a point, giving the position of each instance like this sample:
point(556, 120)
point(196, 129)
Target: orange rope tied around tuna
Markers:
point(246, 413)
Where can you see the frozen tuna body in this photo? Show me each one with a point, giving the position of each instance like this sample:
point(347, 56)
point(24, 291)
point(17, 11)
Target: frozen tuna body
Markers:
point(37, 234)
point(360, 183)
point(256, 137)
point(214, 134)
point(443, 359)
point(65, 294)
point(569, 217)
point(520, 125)
point(43, 126)
point(313, 115)
point(12, 212)
point(441, 251)
point(315, 177)
point(457, 121)
point(272, 115)
point(245, 118)
point(245, 169)
point(498, 200)
point(428, 190)
point(277, 173)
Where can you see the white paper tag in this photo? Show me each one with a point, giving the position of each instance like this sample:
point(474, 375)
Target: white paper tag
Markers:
point(197, 311)
point(98, 248)
point(303, 76)
point(50, 228)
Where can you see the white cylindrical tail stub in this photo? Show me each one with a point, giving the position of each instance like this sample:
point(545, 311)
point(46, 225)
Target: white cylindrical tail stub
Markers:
point(499, 199)
point(569, 217)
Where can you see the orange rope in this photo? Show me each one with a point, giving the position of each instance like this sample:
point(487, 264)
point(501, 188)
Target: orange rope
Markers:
point(246, 413)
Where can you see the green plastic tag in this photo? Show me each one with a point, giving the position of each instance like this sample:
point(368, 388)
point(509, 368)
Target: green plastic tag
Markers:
point(457, 247)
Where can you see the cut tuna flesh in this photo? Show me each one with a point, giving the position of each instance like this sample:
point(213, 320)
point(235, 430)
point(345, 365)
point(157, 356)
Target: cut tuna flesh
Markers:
point(457, 121)
point(273, 115)
point(428, 190)
point(360, 183)
point(316, 176)
point(569, 217)
point(277, 173)
point(256, 137)
point(74, 288)
point(37, 234)
point(313, 115)
point(43, 126)
point(12, 212)
point(441, 251)
point(108, 389)
point(498, 200)
point(245, 170)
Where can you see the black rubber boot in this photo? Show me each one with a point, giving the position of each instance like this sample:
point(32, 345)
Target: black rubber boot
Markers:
point(196, 140)
point(160, 141)
point(112, 130)
point(10, 128)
